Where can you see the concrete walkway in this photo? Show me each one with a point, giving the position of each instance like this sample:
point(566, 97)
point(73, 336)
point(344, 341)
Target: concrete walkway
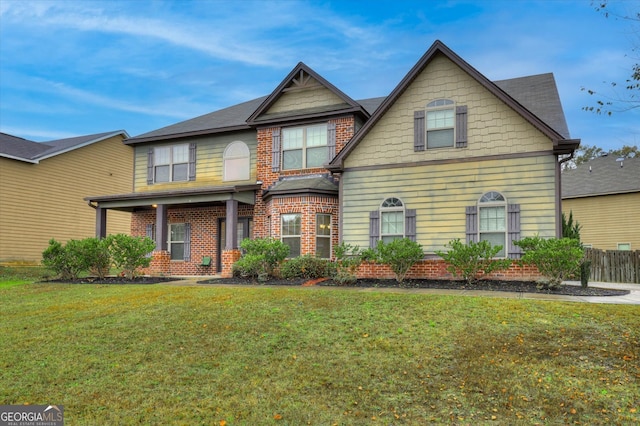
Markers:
point(633, 298)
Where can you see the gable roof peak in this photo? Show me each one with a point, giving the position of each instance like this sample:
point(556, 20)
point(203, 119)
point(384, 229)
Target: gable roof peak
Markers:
point(301, 77)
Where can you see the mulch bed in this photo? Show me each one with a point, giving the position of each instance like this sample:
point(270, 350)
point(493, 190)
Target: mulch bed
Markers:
point(487, 285)
point(116, 280)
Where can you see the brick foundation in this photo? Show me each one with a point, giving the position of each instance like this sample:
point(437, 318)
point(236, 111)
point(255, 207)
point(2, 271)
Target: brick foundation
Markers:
point(437, 269)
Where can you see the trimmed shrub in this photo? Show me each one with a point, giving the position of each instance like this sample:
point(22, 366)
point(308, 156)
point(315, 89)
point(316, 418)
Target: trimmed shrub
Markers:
point(556, 259)
point(262, 256)
point(400, 255)
point(130, 253)
point(472, 261)
point(97, 257)
point(307, 266)
point(67, 261)
point(348, 260)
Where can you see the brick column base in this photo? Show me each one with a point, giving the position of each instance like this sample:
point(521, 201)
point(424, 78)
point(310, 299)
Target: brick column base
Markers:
point(160, 263)
point(229, 257)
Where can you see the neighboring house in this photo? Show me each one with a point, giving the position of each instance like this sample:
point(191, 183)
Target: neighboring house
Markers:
point(448, 154)
point(42, 186)
point(604, 197)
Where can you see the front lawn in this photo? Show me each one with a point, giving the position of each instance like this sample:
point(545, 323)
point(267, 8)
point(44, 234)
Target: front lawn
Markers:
point(161, 354)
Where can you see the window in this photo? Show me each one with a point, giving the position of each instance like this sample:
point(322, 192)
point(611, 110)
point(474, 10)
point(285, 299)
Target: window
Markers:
point(492, 220)
point(291, 232)
point(323, 236)
point(440, 124)
point(624, 246)
point(171, 163)
point(177, 237)
point(237, 164)
point(304, 147)
point(392, 220)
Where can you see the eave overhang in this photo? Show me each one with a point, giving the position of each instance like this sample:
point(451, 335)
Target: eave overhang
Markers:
point(565, 146)
point(183, 135)
point(201, 196)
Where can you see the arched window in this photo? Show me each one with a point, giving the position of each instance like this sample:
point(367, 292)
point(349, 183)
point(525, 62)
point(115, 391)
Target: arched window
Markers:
point(492, 220)
point(392, 219)
point(237, 161)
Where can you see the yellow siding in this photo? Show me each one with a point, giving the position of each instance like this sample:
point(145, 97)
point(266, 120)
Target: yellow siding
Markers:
point(440, 193)
point(607, 220)
point(209, 164)
point(305, 98)
point(43, 201)
point(493, 127)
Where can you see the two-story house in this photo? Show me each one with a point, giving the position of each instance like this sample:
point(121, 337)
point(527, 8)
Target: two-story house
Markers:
point(448, 154)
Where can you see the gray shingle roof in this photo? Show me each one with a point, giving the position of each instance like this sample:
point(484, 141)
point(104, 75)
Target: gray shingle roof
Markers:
point(602, 176)
point(305, 183)
point(29, 151)
point(539, 94)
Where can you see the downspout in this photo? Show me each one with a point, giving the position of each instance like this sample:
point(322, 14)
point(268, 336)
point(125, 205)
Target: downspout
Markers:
point(559, 194)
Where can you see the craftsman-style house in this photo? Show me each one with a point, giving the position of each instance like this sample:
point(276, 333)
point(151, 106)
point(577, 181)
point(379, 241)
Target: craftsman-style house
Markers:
point(448, 154)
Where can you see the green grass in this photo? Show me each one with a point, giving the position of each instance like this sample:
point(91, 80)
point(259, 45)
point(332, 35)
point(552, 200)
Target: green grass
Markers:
point(162, 354)
point(11, 276)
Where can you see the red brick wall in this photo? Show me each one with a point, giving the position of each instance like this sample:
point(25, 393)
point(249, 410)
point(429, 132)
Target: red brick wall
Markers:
point(437, 269)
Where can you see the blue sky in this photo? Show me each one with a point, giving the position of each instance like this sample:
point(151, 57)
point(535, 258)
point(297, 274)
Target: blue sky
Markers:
point(70, 68)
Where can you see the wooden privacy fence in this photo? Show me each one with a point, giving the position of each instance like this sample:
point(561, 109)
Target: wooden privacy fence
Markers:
point(615, 266)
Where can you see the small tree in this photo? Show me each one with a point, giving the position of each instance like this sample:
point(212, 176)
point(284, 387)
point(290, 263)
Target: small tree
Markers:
point(556, 259)
point(569, 228)
point(130, 253)
point(348, 260)
point(400, 255)
point(474, 260)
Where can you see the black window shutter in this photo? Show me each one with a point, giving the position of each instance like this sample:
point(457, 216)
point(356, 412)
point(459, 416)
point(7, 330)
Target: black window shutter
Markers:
point(331, 140)
point(275, 151)
point(192, 161)
point(418, 130)
point(472, 224)
point(461, 126)
point(374, 228)
point(410, 224)
point(150, 166)
point(187, 242)
point(513, 231)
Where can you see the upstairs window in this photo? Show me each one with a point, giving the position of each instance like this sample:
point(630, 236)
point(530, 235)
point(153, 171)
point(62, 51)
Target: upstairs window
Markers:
point(304, 147)
point(173, 163)
point(237, 161)
point(440, 124)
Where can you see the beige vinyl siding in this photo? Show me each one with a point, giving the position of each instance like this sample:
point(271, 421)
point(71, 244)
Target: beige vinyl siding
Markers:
point(493, 127)
point(209, 163)
point(300, 99)
point(440, 193)
point(607, 220)
point(46, 200)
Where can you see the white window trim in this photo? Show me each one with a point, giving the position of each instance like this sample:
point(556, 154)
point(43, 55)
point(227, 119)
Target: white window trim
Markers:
point(245, 155)
point(170, 241)
point(304, 143)
point(440, 105)
point(171, 163)
point(481, 204)
point(383, 210)
point(324, 236)
point(299, 236)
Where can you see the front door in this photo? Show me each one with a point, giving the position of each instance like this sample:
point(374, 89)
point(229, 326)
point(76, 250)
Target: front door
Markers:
point(245, 229)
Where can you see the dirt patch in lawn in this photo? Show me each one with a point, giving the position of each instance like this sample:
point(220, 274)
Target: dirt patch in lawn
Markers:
point(487, 285)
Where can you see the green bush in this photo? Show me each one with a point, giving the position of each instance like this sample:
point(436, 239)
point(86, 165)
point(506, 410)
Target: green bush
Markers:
point(97, 258)
point(556, 259)
point(130, 253)
point(67, 261)
point(400, 255)
point(307, 266)
point(348, 260)
point(262, 256)
point(472, 261)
